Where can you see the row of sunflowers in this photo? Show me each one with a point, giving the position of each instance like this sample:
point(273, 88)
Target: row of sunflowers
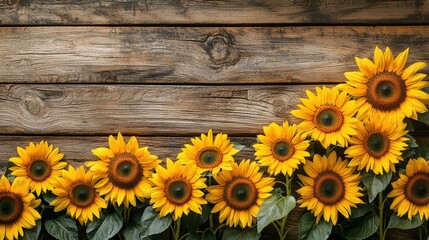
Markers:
point(360, 174)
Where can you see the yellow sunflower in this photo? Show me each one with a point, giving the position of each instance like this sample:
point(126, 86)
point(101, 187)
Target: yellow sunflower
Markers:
point(240, 193)
point(207, 154)
point(411, 190)
point(17, 208)
point(282, 148)
point(378, 144)
point(76, 191)
point(384, 87)
point(329, 188)
point(124, 169)
point(328, 116)
point(38, 164)
point(178, 189)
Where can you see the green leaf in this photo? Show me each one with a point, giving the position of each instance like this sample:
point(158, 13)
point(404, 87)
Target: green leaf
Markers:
point(274, 208)
point(105, 227)
point(411, 141)
point(409, 123)
point(48, 196)
point(404, 222)
point(375, 183)
point(131, 232)
point(206, 235)
point(152, 224)
point(423, 117)
point(238, 234)
point(32, 233)
point(423, 151)
point(238, 146)
point(310, 230)
point(63, 228)
point(361, 210)
point(363, 228)
point(193, 220)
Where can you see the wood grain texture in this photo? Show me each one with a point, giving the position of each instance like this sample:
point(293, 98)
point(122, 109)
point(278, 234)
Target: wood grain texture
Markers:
point(77, 149)
point(144, 110)
point(191, 55)
point(63, 12)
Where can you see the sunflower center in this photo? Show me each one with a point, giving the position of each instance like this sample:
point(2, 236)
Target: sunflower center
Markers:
point(386, 91)
point(209, 157)
point(11, 208)
point(125, 171)
point(240, 193)
point(328, 119)
point(39, 170)
point(282, 150)
point(82, 195)
point(178, 192)
point(417, 189)
point(329, 188)
point(377, 144)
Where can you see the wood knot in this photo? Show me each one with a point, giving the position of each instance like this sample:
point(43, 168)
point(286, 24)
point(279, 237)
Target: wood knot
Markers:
point(221, 50)
point(34, 105)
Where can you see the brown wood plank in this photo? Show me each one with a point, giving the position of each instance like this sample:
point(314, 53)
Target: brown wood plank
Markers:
point(77, 149)
point(63, 12)
point(143, 110)
point(213, 55)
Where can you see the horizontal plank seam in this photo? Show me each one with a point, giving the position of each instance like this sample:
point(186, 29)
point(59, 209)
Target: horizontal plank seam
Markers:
point(202, 25)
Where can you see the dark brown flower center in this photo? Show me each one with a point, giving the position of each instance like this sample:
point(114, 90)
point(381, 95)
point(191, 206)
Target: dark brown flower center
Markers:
point(82, 195)
point(329, 188)
point(386, 91)
point(209, 157)
point(39, 170)
point(11, 207)
point(178, 191)
point(376, 144)
point(240, 193)
point(417, 189)
point(282, 150)
point(328, 119)
point(125, 171)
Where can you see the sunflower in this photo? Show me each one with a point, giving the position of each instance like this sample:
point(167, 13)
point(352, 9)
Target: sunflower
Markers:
point(17, 208)
point(378, 144)
point(38, 164)
point(240, 193)
point(384, 87)
point(328, 116)
point(207, 154)
point(177, 190)
point(329, 188)
point(411, 190)
point(282, 148)
point(76, 191)
point(124, 169)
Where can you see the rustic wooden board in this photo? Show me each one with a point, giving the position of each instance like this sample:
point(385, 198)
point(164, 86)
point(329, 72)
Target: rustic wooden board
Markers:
point(64, 12)
point(77, 149)
point(203, 55)
point(49, 109)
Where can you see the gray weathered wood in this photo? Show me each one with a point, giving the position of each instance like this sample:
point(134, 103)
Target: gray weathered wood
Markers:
point(47, 12)
point(169, 55)
point(143, 110)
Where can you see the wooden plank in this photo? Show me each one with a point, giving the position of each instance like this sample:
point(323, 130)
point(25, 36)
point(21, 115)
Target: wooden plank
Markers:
point(143, 110)
point(77, 149)
point(191, 55)
point(63, 12)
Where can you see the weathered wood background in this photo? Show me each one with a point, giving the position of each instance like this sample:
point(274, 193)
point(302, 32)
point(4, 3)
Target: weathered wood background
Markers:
point(73, 72)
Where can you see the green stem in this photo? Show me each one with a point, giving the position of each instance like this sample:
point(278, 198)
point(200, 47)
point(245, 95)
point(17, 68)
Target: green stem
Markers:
point(221, 226)
point(177, 230)
point(283, 231)
point(211, 221)
point(381, 216)
point(184, 236)
point(276, 223)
